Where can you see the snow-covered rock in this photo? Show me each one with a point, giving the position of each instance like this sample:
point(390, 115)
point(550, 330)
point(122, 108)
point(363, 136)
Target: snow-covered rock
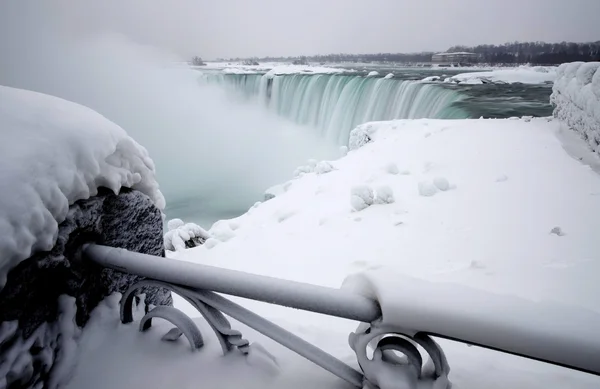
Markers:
point(38, 322)
point(384, 194)
point(181, 236)
point(361, 197)
point(373, 73)
point(324, 167)
point(388, 76)
point(576, 98)
point(392, 168)
point(54, 153)
point(427, 188)
point(441, 183)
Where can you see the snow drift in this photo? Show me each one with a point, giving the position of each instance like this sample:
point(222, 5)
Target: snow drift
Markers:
point(53, 153)
point(576, 97)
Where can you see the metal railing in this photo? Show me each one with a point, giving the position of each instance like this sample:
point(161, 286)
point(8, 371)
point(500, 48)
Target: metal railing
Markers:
point(199, 285)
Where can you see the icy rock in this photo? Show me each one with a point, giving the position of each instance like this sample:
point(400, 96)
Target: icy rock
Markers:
point(441, 183)
point(557, 231)
point(53, 153)
point(361, 197)
point(388, 76)
point(384, 195)
point(324, 167)
point(373, 74)
point(129, 220)
point(427, 188)
point(360, 136)
point(183, 236)
point(392, 168)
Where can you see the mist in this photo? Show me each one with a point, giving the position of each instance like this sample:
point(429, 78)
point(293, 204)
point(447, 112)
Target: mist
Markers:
point(214, 156)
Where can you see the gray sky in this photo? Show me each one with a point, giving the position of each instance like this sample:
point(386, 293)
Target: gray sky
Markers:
point(228, 28)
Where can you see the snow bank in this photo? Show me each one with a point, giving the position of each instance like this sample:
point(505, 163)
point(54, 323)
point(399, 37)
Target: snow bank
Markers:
point(523, 75)
point(53, 153)
point(487, 234)
point(576, 98)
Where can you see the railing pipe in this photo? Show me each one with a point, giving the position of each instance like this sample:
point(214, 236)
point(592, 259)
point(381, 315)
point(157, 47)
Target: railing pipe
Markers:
point(319, 299)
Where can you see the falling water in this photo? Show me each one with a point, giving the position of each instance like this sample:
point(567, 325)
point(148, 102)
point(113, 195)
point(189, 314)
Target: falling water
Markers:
point(335, 104)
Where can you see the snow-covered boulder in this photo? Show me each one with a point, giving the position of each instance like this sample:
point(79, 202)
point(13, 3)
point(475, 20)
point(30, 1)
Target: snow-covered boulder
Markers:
point(53, 153)
point(68, 176)
point(576, 98)
point(361, 197)
point(373, 74)
point(384, 194)
point(181, 236)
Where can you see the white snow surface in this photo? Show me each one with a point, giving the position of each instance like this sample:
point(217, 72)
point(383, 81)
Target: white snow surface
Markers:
point(522, 74)
point(484, 234)
point(53, 153)
point(576, 97)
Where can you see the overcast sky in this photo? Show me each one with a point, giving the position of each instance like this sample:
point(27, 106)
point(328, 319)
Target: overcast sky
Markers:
point(229, 28)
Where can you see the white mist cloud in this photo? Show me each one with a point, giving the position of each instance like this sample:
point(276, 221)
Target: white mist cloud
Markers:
point(213, 156)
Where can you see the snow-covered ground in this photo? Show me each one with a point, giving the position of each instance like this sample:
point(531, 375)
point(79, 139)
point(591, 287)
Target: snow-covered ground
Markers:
point(523, 75)
point(52, 153)
point(496, 205)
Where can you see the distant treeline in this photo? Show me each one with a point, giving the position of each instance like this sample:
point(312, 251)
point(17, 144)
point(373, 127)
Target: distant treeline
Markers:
point(539, 53)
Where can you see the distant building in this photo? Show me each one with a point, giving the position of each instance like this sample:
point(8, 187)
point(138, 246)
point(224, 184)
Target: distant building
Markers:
point(454, 58)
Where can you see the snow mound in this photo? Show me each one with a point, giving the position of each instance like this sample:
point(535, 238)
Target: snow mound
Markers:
point(576, 98)
point(181, 235)
point(52, 153)
point(324, 167)
point(441, 183)
point(388, 76)
point(373, 74)
point(361, 197)
point(431, 79)
point(392, 168)
point(384, 195)
point(427, 188)
point(222, 231)
point(523, 75)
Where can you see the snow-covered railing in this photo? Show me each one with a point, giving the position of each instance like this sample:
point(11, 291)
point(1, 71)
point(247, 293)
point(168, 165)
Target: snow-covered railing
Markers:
point(543, 340)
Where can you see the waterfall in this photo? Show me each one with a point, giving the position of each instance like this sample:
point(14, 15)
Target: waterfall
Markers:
point(335, 104)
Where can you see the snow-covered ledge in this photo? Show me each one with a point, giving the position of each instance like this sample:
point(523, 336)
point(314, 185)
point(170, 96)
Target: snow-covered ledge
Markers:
point(576, 97)
point(67, 176)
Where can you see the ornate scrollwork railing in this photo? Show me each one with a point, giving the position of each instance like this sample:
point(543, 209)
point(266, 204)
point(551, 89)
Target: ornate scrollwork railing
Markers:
point(396, 361)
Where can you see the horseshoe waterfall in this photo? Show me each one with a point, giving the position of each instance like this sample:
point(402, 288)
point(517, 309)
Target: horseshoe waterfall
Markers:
point(335, 104)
